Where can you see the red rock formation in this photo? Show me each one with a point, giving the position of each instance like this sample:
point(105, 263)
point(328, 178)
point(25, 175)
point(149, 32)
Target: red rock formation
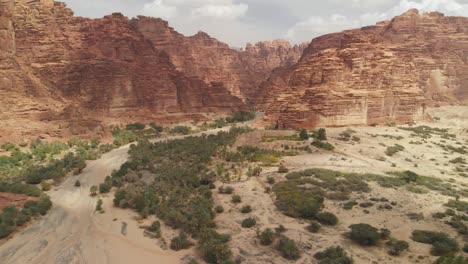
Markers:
point(388, 72)
point(210, 60)
point(79, 71)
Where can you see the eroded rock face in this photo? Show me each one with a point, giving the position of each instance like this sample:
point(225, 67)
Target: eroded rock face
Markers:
point(210, 60)
point(79, 72)
point(384, 73)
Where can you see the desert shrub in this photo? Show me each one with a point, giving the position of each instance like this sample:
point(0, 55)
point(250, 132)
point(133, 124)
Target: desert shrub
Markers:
point(323, 145)
point(105, 187)
point(155, 228)
point(366, 204)
point(225, 190)
point(459, 160)
point(45, 186)
point(283, 169)
point(77, 183)
point(99, 205)
point(397, 246)
point(184, 130)
point(452, 260)
point(327, 218)
point(8, 146)
point(442, 244)
point(364, 234)
point(288, 248)
point(385, 233)
point(465, 248)
point(6, 230)
point(303, 134)
point(394, 149)
point(180, 242)
point(271, 180)
point(246, 209)
point(219, 209)
point(314, 227)
point(20, 188)
point(236, 199)
point(135, 126)
point(248, 222)
point(349, 205)
point(267, 237)
point(458, 205)
point(333, 255)
point(213, 247)
point(241, 116)
point(280, 229)
point(93, 190)
point(322, 134)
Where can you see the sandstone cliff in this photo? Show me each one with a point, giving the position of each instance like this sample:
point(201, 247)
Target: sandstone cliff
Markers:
point(383, 73)
point(210, 60)
point(76, 72)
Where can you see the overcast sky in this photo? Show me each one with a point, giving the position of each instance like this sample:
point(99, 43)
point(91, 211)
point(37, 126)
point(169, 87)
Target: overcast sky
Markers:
point(237, 22)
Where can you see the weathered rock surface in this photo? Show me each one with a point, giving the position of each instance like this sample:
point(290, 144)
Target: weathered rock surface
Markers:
point(383, 73)
point(210, 60)
point(78, 72)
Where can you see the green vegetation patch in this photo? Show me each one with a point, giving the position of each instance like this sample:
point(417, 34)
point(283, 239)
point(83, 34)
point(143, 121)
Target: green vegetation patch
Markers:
point(442, 244)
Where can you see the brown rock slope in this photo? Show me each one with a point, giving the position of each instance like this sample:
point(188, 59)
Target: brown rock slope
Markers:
point(206, 58)
point(77, 72)
point(383, 73)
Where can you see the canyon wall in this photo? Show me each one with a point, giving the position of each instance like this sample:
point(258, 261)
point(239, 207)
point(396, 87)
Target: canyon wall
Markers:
point(210, 60)
point(66, 73)
point(389, 72)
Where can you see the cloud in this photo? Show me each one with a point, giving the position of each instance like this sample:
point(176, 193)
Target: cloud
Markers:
point(315, 26)
point(239, 21)
point(159, 9)
point(230, 11)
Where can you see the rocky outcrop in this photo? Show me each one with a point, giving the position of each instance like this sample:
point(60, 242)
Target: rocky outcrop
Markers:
point(210, 60)
point(384, 73)
point(79, 72)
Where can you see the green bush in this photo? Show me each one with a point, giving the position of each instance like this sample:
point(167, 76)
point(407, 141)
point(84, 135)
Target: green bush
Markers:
point(283, 169)
point(397, 246)
point(104, 187)
point(135, 126)
point(6, 230)
point(394, 149)
point(99, 205)
point(77, 183)
point(219, 209)
point(288, 248)
point(225, 190)
point(246, 209)
point(236, 199)
point(442, 244)
point(323, 145)
point(157, 129)
point(184, 130)
point(333, 255)
point(180, 242)
point(303, 134)
point(322, 134)
point(314, 227)
point(327, 218)
point(20, 188)
point(364, 234)
point(248, 222)
point(267, 237)
point(155, 228)
point(213, 247)
point(452, 260)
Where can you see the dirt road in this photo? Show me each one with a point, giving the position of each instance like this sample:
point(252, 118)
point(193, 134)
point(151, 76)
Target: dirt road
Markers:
point(72, 232)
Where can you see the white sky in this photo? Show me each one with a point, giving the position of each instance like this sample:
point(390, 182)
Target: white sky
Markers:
point(237, 22)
